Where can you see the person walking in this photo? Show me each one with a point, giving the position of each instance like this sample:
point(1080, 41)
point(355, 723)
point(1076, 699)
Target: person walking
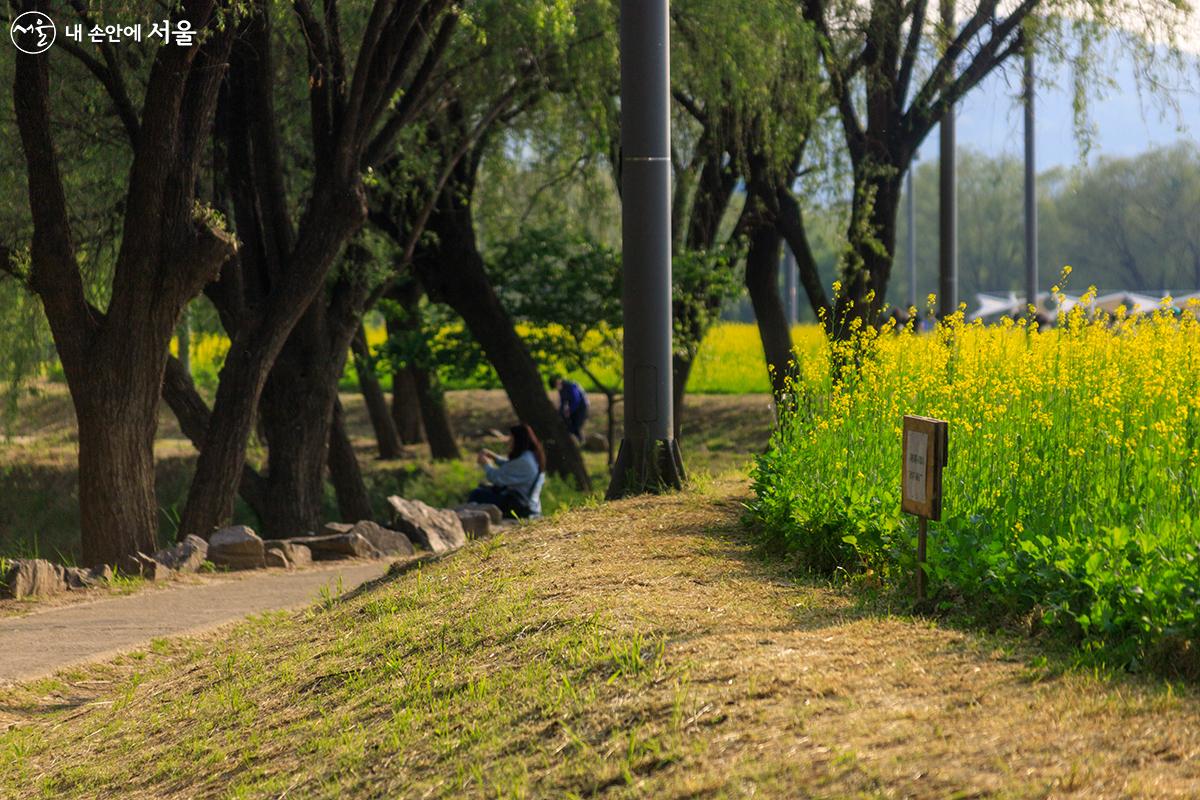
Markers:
point(572, 405)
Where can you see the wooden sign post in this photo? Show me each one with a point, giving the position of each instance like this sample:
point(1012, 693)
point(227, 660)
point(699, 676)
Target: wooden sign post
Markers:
point(924, 447)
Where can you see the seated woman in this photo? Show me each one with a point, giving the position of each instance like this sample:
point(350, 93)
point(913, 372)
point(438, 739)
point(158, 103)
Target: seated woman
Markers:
point(515, 482)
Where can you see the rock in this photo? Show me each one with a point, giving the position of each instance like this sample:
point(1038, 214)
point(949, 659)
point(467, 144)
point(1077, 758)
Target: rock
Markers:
point(33, 577)
point(297, 555)
point(274, 557)
point(595, 443)
point(80, 578)
point(334, 528)
point(386, 541)
point(434, 529)
point(237, 548)
point(494, 513)
point(154, 570)
point(186, 556)
point(146, 567)
point(340, 545)
point(475, 522)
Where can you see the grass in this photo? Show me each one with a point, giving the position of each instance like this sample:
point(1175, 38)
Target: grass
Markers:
point(1072, 493)
point(40, 517)
point(637, 649)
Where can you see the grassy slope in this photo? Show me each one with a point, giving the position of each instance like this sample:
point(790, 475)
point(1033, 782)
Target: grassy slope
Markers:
point(633, 649)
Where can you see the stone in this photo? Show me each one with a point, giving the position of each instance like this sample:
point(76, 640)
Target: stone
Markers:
point(275, 558)
point(335, 546)
point(334, 528)
point(145, 567)
point(80, 578)
point(237, 547)
point(297, 555)
point(186, 556)
point(595, 443)
point(435, 529)
point(475, 523)
point(33, 577)
point(493, 511)
point(385, 540)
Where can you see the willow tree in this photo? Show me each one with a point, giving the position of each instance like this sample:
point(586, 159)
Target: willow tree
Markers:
point(744, 93)
point(895, 71)
point(114, 356)
point(532, 50)
point(361, 93)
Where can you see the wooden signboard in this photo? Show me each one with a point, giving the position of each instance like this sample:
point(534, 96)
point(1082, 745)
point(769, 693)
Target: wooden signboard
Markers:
point(925, 450)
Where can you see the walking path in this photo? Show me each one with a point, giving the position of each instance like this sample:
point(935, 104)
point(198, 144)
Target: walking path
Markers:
point(43, 642)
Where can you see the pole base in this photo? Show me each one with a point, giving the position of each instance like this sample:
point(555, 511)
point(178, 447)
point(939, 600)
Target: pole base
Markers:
point(646, 466)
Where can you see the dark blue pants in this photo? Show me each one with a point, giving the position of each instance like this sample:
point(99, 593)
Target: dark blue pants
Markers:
point(576, 420)
point(506, 500)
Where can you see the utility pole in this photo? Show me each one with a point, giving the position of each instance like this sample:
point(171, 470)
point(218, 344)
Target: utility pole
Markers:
point(912, 232)
point(790, 292)
point(948, 194)
point(649, 459)
point(1031, 213)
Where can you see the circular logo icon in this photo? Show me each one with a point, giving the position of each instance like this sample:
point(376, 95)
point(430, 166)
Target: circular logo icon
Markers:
point(33, 32)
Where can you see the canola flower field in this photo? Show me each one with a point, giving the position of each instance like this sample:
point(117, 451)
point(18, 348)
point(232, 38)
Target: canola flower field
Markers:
point(730, 361)
point(1072, 492)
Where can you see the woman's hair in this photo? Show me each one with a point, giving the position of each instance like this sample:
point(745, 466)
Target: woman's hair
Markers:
point(525, 440)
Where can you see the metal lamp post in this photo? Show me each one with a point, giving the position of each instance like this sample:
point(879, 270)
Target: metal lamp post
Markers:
point(948, 193)
point(649, 458)
point(1031, 215)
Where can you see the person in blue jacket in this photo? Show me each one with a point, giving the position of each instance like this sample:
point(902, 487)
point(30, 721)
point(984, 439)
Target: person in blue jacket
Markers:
point(514, 483)
point(572, 404)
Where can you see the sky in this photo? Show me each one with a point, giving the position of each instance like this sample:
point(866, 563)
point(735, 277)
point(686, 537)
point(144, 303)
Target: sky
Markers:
point(1125, 122)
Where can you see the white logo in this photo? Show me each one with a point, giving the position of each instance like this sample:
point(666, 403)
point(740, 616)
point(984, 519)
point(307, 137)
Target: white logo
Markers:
point(33, 32)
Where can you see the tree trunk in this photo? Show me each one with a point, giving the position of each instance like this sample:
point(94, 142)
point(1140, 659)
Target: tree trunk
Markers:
point(296, 413)
point(193, 414)
point(442, 444)
point(184, 335)
point(386, 435)
point(681, 366)
point(762, 282)
point(353, 501)
point(326, 225)
point(610, 402)
point(871, 246)
point(116, 475)
point(406, 408)
point(453, 272)
point(789, 219)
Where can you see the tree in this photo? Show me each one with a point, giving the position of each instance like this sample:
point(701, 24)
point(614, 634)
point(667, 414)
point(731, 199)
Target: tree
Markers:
point(114, 357)
point(886, 106)
point(286, 332)
point(567, 289)
point(448, 263)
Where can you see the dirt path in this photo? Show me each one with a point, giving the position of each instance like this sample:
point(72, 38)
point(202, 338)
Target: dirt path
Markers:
point(635, 649)
point(44, 642)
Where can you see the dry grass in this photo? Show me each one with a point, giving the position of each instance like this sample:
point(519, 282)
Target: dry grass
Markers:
point(638, 649)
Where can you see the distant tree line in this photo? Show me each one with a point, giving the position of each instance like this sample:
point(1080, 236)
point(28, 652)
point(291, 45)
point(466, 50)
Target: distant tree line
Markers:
point(1120, 223)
